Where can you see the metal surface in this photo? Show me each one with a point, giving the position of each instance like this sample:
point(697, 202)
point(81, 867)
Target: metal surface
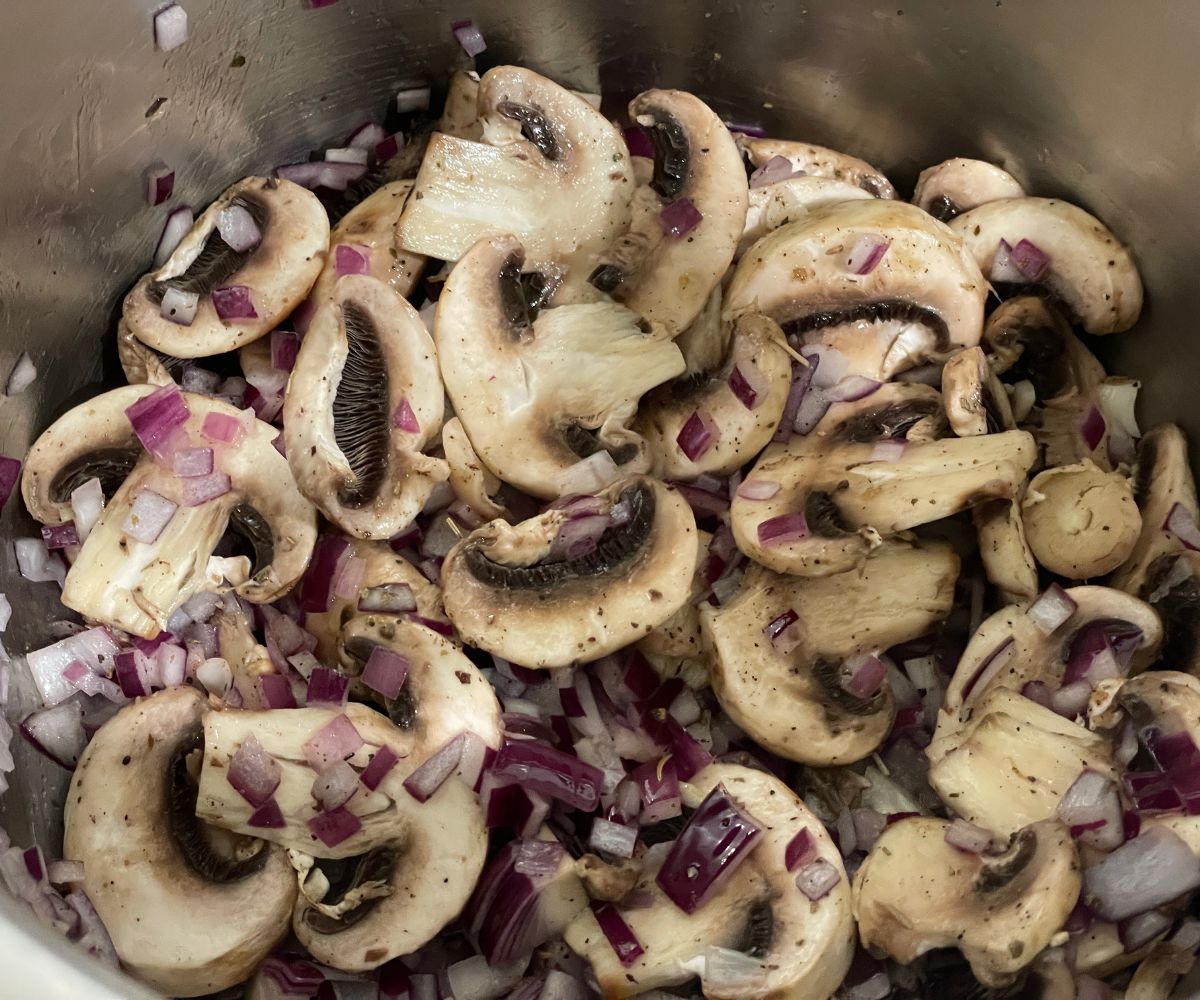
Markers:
point(1087, 101)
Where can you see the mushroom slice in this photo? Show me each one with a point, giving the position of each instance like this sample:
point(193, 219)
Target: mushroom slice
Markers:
point(958, 185)
point(896, 411)
point(777, 649)
point(976, 402)
point(916, 892)
point(555, 590)
point(387, 577)
point(817, 161)
point(93, 440)
point(471, 480)
point(1160, 971)
point(278, 271)
point(1062, 248)
point(364, 242)
point(832, 506)
point(190, 910)
point(1030, 340)
point(1004, 550)
point(823, 279)
point(142, 365)
point(536, 393)
point(248, 659)
point(715, 421)
point(804, 947)
point(1012, 762)
point(551, 170)
point(1081, 521)
point(136, 586)
point(1009, 649)
point(394, 883)
point(775, 205)
point(665, 275)
point(363, 400)
point(460, 115)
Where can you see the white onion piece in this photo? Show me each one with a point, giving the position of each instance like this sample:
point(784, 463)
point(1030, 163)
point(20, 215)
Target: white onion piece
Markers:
point(170, 28)
point(1004, 269)
point(37, 563)
point(1093, 799)
point(832, 367)
point(179, 306)
point(22, 375)
point(87, 504)
point(5, 617)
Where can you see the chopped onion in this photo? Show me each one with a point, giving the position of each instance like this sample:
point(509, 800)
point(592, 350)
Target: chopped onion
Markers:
point(347, 154)
point(801, 850)
point(968, 837)
point(412, 99)
point(783, 530)
point(276, 691)
point(469, 38)
point(179, 223)
point(797, 391)
point(851, 389)
point(192, 462)
point(776, 169)
point(347, 582)
point(1181, 523)
point(385, 672)
point(749, 386)
point(732, 973)
point(758, 489)
point(322, 174)
point(254, 773)
point(888, 451)
point(679, 218)
point(866, 253)
point(238, 228)
point(202, 489)
point(404, 419)
point(1091, 807)
point(5, 618)
point(698, 434)
point(862, 675)
point(157, 417)
point(432, 774)
point(1030, 260)
point(589, 475)
point(233, 302)
point(170, 28)
point(172, 664)
point(613, 838)
point(393, 598)
point(22, 375)
point(1142, 874)
point(327, 687)
point(36, 563)
point(388, 148)
point(216, 675)
point(222, 427)
point(10, 472)
point(867, 979)
point(785, 632)
point(64, 872)
point(285, 345)
point(351, 259)
point(87, 503)
point(335, 786)
point(57, 732)
point(1004, 269)
point(550, 772)
point(337, 740)
point(136, 672)
point(160, 183)
point(658, 789)
point(619, 934)
point(1051, 610)
point(333, 827)
point(60, 536)
point(1092, 427)
point(1139, 931)
point(817, 879)
point(1071, 700)
point(381, 763)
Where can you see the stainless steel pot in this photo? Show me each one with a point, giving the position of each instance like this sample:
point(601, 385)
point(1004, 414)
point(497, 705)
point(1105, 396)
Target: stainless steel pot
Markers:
point(1089, 101)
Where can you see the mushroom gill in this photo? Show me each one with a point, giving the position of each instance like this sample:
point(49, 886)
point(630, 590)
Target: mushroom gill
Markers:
point(360, 416)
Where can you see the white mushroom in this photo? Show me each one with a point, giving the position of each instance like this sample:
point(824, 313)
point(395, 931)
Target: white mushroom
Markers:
point(1004, 550)
point(976, 402)
point(471, 480)
point(784, 201)
point(817, 161)
point(957, 185)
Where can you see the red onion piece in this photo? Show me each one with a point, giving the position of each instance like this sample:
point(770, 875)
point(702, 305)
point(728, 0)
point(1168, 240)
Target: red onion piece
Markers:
point(233, 302)
point(156, 417)
point(758, 489)
point(381, 763)
point(776, 169)
point(817, 879)
point(1139, 931)
point(394, 598)
point(862, 675)
point(351, 259)
point(385, 672)
point(469, 38)
point(347, 154)
point(412, 99)
point(327, 688)
point(716, 839)
point(1091, 807)
point(149, 514)
point(202, 489)
point(337, 740)
point(60, 536)
point(1037, 691)
point(238, 229)
point(404, 419)
point(752, 129)
point(637, 139)
point(679, 218)
point(801, 379)
point(179, 222)
point(784, 632)
point(1030, 260)
point(704, 503)
point(888, 451)
point(253, 773)
point(783, 530)
point(1051, 610)
point(1181, 523)
point(619, 934)
point(276, 691)
point(1071, 701)
point(1004, 269)
point(851, 389)
point(170, 29)
point(690, 756)
point(321, 174)
point(134, 673)
point(189, 463)
point(335, 786)
point(335, 826)
point(316, 593)
point(658, 789)
point(866, 253)
point(432, 774)
point(801, 850)
point(285, 345)
point(749, 386)
point(10, 472)
point(612, 838)
point(222, 427)
point(160, 183)
point(22, 376)
point(172, 664)
point(867, 979)
point(1091, 428)
point(388, 148)
point(698, 435)
point(36, 563)
point(57, 732)
point(347, 582)
point(1142, 874)
point(550, 772)
point(87, 503)
point(968, 837)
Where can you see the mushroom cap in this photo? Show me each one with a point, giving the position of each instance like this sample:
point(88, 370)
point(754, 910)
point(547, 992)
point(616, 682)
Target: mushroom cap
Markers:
point(94, 438)
point(503, 596)
point(1081, 522)
point(792, 703)
point(818, 161)
point(1012, 762)
point(775, 205)
point(1089, 269)
point(472, 481)
point(279, 271)
point(758, 352)
point(366, 355)
point(976, 402)
point(810, 944)
point(915, 892)
point(140, 363)
point(959, 184)
point(1029, 338)
point(460, 115)
point(136, 586)
point(551, 170)
point(536, 396)
point(667, 279)
point(183, 932)
point(923, 299)
point(1004, 550)
point(248, 659)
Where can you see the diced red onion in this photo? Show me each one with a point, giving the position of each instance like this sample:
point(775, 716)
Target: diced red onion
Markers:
point(866, 253)
point(613, 838)
point(216, 675)
point(65, 872)
point(637, 140)
point(172, 664)
point(335, 826)
point(234, 302)
point(381, 763)
point(801, 850)
point(679, 218)
point(170, 28)
point(149, 514)
point(5, 618)
point(469, 38)
point(347, 582)
point(388, 597)
point(802, 376)
point(135, 673)
point(749, 386)
point(202, 489)
point(1091, 427)
point(550, 772)
point(1004, 269)
point(432, 774)
point(60, 536)
point(337, 740)
point(862, 675)
point(619, 934)
point(1181, 523)
point(321, 174)
point(690, 757)
point(238, 229)
point(87, 503)
point(785, 632)
point(222, 427)
point(758, 489)
point(589, 475)
point(783, 530)
point(704, 503)
point(658, 789)
point(22, 376)
point(36, 563)
point(776, 169)
point(177, 226)
point(285, 345)
point(351, 259)
point(276, 691)
point(888, 451)
point(57, 732)
point(347, 154)
point(385, 672)
point(160, 183)
point(716, 839)
point(1091, 807)
point(851, 389)
point(328, 688)
point(253, 773)
point(10, 472)
point(698, 434)
point(1142, 874)
point(1137, 932)
point(867, 979)
point(817, 879)
point(192, 462)
point(968, 837)
point(1071, 700)
point(1051, 610)
point(1030, 260)
point(404, 419)
point(412, 99)
point(155, 419)
point(335, 786)
point(578, 537)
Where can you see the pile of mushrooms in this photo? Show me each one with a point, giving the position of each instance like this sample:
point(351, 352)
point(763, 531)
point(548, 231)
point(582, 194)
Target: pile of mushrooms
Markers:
point(584, 561)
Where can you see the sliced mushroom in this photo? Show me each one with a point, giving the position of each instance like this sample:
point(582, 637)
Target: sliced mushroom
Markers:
point(189, 911)
point(817, 161)
point(1085, 265)
point(896, 411)
point(368, 232)
point(736, 405)
point(1029, 339)
point(471, 480)
point(1004, 550)
point(510, 591)
point(1012, 762)
point(248, 659)
point(958, 185)
point(363, 401)
point(849, 496)
point(278, 271)
point(915, 892)
point(551, 170)
point(538, 393)
point(665, 277)
point(1160, 971)
point(678, 638)
point(1081, 521)
point(976, 402)
point(409, 868)
point(788, 692)
point(460, 115)
point(804, 947)
point(142, 364)
point(136, 586)
point(775, 205)
point(1009, 649)
point(920, 301)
